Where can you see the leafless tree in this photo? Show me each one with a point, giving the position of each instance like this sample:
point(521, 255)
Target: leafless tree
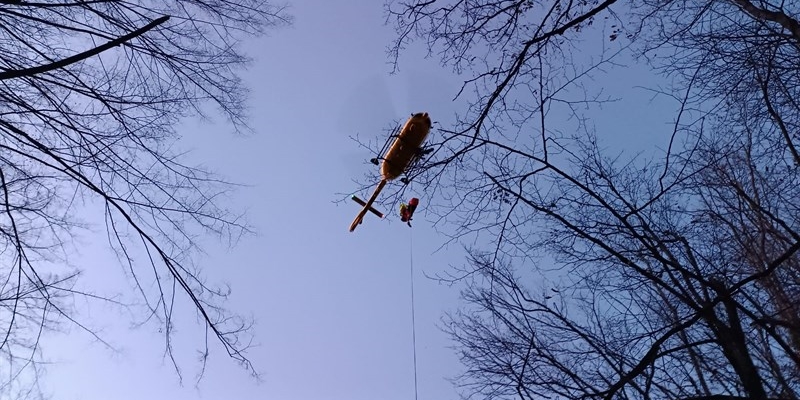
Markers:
point(90, 93)
point(599, 275)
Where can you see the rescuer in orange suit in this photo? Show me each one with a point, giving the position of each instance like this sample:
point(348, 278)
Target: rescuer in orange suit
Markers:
point(407, 210)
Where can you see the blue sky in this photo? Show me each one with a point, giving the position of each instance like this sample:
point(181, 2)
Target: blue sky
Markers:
point(332, 307)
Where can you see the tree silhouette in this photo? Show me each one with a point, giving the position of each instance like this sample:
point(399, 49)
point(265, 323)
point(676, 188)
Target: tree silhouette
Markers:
point(90, 93)
point(599, 275)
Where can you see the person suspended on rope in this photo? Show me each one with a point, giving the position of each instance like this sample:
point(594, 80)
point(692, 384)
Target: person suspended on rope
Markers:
point(407, 210)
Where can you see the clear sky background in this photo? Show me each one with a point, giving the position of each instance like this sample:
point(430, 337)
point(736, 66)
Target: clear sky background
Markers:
point(332, 307)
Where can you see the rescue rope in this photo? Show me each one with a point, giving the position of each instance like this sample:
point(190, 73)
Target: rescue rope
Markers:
point(413, 316)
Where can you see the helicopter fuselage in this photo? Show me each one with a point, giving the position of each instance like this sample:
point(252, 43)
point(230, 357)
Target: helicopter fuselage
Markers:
point(406, 146)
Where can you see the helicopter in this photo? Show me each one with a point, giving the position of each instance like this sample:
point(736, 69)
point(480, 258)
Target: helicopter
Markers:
point(405, 150)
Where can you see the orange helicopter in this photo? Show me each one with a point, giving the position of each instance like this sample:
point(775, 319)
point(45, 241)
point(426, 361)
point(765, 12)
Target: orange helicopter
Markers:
point(404, 150)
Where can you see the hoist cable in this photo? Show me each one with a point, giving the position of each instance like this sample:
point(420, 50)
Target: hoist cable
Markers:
point(413, 316)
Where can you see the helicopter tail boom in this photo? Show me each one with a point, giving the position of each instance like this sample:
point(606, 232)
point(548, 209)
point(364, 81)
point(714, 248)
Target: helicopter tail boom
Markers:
point(368, 205)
